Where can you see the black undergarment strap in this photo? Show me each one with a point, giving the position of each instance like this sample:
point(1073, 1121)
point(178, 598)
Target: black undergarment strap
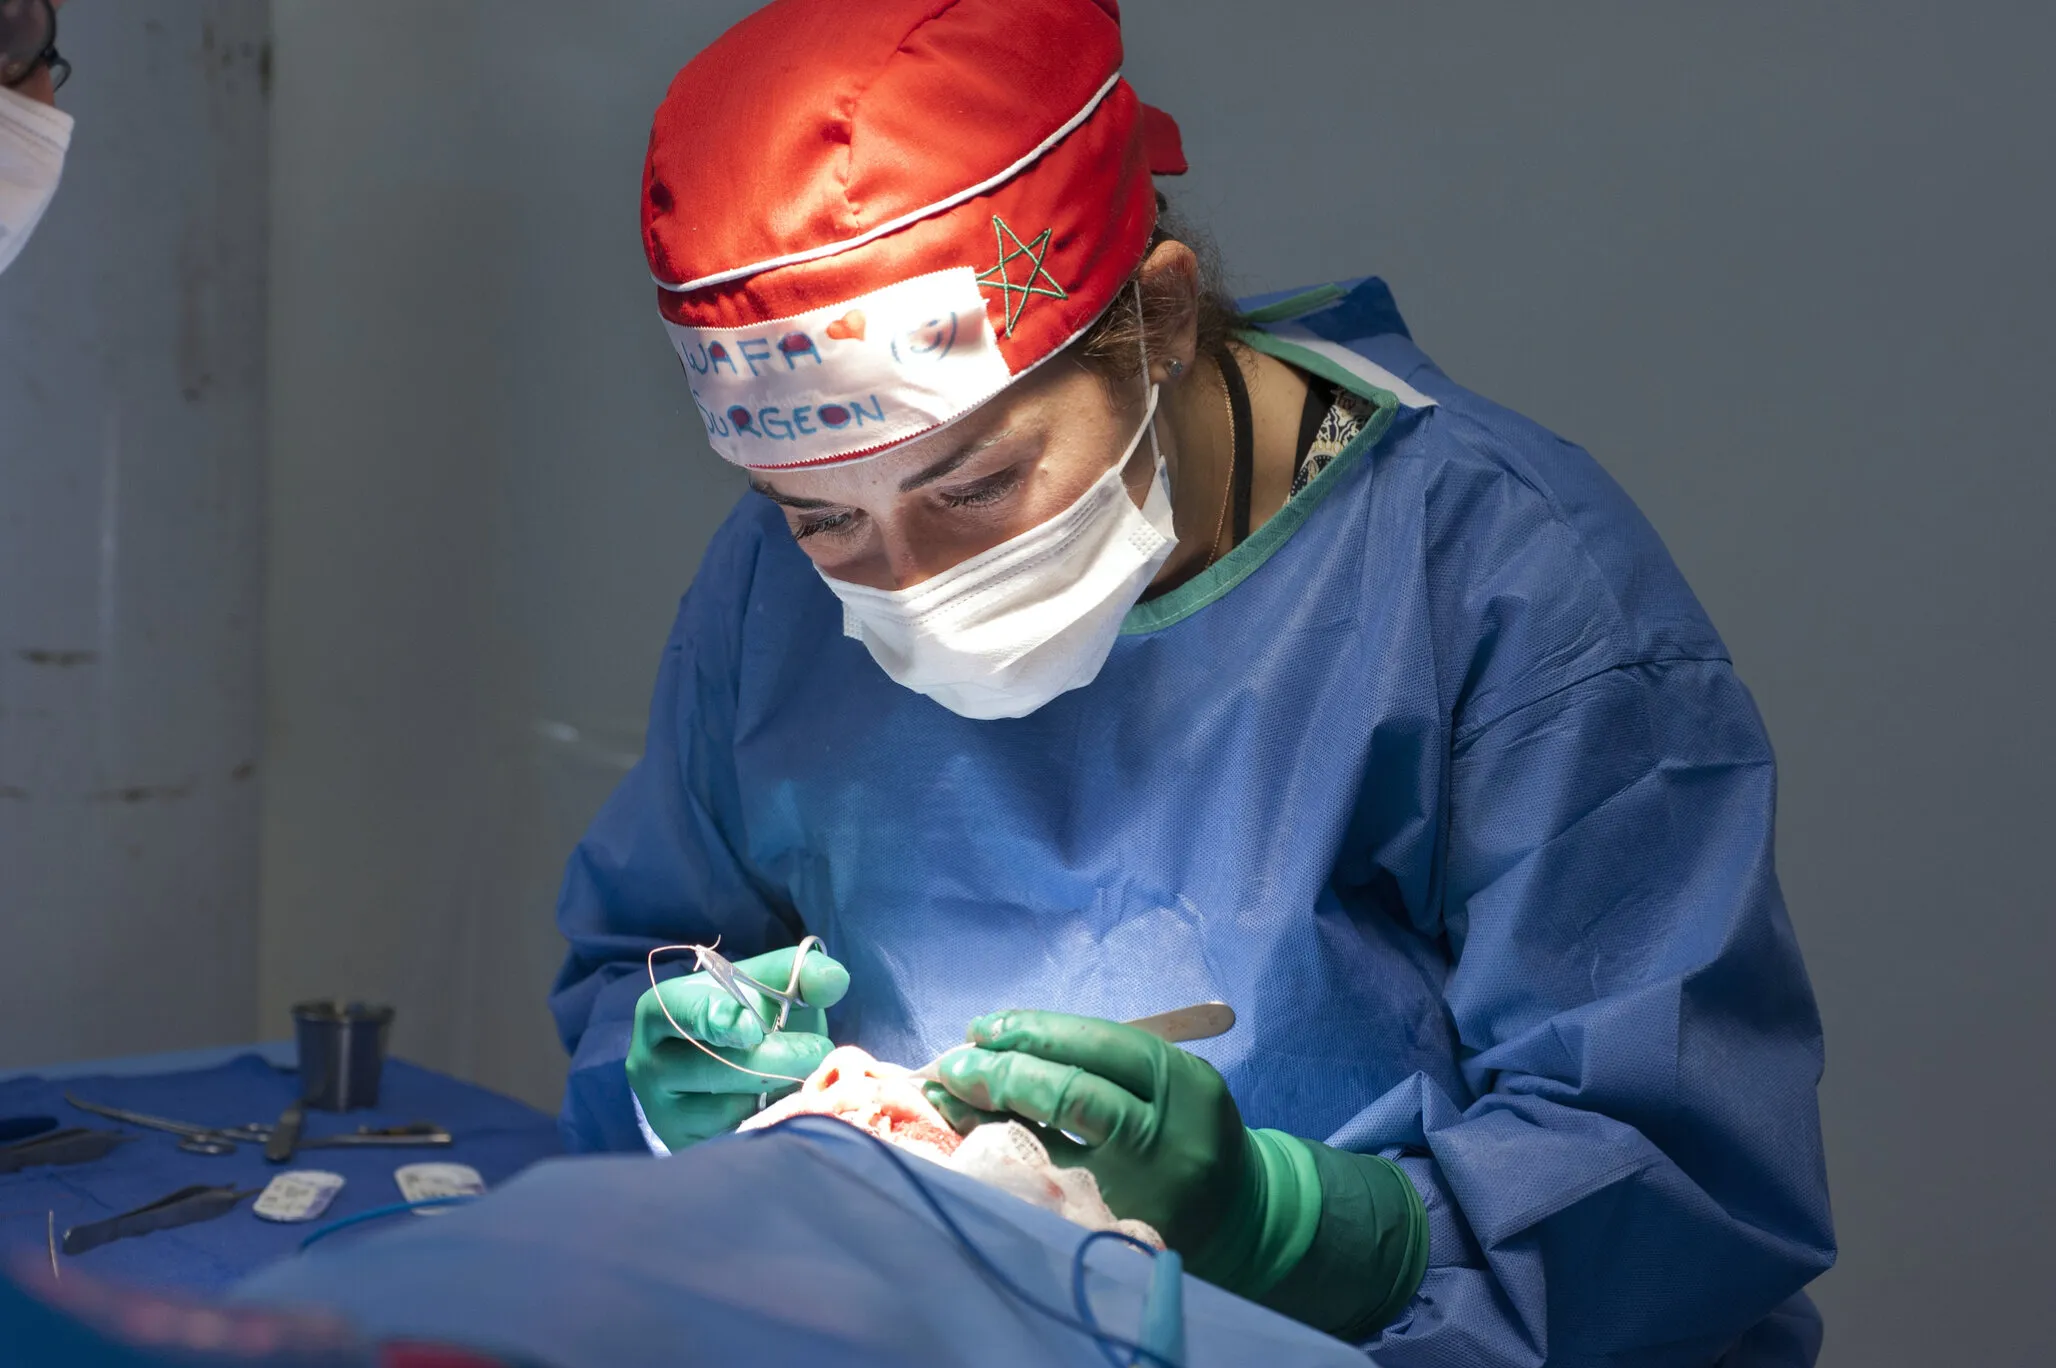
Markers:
point(1244, 470)
point(1319, 398)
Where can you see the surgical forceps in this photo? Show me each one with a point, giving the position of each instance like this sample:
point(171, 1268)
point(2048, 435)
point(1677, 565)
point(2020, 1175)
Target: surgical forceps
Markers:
point(224, 1139)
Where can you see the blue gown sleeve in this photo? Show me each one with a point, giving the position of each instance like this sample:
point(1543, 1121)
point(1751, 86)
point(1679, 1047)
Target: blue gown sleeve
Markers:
point(664, 861)
point(1639, 1180)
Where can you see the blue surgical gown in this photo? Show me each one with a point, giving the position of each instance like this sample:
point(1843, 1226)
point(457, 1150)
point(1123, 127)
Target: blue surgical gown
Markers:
point(1442, 779)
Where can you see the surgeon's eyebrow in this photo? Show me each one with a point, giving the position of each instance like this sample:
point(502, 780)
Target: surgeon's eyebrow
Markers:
point(778, 496)
point(948, 465)
point(942, 469)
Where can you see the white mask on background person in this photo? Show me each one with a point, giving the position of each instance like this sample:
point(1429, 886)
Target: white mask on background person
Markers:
point(1004, 632)
point(33, 140)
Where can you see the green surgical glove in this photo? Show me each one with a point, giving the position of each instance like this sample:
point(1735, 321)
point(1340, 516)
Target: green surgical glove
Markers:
point(1338, 1240)
point(686, 1094)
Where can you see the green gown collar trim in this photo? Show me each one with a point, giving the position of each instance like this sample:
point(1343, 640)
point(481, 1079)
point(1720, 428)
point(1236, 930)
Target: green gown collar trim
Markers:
point(1230, 570)
point(1298, 305)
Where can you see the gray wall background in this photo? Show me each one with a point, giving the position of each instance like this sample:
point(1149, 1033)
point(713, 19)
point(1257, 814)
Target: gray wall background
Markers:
point(1784, 269)
point(131, 474)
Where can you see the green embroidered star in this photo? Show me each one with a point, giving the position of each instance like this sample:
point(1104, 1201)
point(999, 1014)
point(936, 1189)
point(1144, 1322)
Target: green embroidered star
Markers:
point(1015, 297)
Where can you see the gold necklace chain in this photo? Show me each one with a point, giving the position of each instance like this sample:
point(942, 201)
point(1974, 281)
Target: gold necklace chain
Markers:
point(1213, 548)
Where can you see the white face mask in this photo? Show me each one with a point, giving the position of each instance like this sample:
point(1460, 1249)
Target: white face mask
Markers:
point(33, 139)
point(1004, 632)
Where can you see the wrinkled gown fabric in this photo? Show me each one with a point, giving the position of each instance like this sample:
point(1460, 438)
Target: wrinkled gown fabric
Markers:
point(1443, 780)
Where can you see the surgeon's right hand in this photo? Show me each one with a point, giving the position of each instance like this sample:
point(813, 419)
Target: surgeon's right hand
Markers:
point(687, 1095)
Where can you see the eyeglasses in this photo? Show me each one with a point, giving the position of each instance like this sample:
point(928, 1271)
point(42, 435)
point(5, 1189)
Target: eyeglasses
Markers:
point(28, 39)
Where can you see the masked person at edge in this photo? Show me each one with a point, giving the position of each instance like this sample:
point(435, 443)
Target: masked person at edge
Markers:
point(34, 134)
point(1086, 648)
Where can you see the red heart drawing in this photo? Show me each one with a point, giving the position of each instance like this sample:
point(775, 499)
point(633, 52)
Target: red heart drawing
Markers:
point(849, 327)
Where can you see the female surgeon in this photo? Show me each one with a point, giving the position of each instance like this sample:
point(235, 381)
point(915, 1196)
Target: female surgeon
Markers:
point(1087, 648)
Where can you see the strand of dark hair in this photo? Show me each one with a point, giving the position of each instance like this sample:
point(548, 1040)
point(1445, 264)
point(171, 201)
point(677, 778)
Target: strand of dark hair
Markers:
point(1110, 348)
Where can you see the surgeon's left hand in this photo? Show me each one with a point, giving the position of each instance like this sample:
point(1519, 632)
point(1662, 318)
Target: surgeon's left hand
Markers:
point(1154, 1124)
point(1335, 1239)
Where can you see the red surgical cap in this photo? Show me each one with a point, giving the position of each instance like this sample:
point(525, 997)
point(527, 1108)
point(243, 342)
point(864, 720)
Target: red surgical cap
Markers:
point(867, 218)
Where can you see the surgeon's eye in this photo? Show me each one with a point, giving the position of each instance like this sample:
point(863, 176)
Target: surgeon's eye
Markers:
point(989, 490)
point(832, 524)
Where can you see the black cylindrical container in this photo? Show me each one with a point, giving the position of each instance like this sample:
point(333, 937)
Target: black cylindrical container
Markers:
point(342, 1053)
